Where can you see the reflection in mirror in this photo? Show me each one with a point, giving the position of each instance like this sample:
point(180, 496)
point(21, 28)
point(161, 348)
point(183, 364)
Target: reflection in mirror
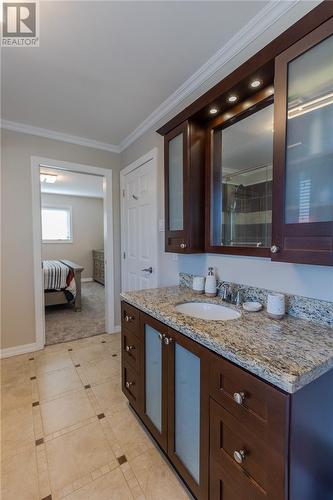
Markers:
point(309, 172)
point(242, 182)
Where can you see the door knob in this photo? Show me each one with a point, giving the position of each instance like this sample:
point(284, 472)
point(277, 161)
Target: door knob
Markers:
point(148, 270)
point(275, 249)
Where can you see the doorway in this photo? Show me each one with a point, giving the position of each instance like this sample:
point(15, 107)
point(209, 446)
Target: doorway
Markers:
point(73, 251)
point(139, 223)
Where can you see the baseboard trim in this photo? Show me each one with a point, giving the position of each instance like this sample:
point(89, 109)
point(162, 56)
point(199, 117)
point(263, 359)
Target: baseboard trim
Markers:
point(19, 349)
point(86, 280)
point(115, 329)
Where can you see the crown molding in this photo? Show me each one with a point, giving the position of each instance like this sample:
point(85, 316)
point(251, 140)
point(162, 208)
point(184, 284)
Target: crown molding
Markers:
point(260, 23)
point(58, 136)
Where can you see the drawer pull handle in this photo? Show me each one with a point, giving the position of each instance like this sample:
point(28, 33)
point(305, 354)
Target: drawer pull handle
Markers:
point(239, 456)
point(239, 397)
point(130, 348)
point(128, 384)
point(128, 318)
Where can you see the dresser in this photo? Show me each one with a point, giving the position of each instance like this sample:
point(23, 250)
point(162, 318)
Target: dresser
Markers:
point(98, 266)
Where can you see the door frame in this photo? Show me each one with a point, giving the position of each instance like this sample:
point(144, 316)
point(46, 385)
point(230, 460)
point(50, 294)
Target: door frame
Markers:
point(151, 155)
point(36, 163)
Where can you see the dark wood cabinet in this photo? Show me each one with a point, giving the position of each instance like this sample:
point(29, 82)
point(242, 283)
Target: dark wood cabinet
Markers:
point(229, 434)
point(287, 215)
point(184, 166)
point(154, 378)
point(167, 387)
point(303, 151)
point(188, 425)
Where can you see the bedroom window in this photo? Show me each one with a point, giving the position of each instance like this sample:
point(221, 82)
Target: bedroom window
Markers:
point(57, 225)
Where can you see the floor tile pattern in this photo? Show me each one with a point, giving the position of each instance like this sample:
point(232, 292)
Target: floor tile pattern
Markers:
point(67, 430)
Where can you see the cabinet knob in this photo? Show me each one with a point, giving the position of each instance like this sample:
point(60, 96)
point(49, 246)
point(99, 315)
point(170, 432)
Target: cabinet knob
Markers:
point(128, 318)
point(239, 456)
point(239, 397)
point(183, 245)
point(130, 348)
point(167, 340)
point(275, 249)
point(128, 384)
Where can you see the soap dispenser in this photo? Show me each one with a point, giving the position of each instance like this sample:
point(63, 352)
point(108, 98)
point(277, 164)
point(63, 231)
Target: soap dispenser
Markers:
point(210, 285)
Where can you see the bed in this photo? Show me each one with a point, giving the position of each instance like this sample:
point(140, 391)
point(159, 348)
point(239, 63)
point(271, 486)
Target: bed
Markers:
point(62, 283)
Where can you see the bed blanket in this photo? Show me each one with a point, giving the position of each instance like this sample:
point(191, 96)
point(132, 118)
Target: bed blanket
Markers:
point(58, 276)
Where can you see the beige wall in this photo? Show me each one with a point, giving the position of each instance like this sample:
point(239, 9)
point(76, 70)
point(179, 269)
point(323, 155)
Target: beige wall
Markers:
point(17, 300)
point(87, 224)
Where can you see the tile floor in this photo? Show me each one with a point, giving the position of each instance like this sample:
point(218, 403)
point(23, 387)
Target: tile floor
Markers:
point(67, 431)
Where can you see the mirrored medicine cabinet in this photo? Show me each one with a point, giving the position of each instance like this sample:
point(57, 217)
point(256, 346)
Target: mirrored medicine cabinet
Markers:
point(241, 181)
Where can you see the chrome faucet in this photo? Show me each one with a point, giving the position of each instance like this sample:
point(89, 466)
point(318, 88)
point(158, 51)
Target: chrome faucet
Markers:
point(231, 296)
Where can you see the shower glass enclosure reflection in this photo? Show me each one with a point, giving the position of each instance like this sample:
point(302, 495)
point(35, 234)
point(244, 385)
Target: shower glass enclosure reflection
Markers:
point(242, 187)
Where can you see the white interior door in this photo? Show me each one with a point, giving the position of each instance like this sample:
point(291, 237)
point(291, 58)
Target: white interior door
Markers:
point(139, 228)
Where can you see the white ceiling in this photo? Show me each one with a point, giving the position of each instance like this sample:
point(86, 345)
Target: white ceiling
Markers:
point(73, 183)
point(103, 67)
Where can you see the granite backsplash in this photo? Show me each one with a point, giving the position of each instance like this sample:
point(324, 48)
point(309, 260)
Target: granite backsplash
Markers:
point(317, 311)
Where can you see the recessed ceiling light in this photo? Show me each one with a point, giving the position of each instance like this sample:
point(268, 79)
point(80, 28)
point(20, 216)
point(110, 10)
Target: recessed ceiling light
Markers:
point(213, 110)
point(232, 98)
point(255, 83)
point(48, 178)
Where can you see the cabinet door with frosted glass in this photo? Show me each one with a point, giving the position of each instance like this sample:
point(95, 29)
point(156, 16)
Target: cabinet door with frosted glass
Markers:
point(303, 151)
point(176, 169)
point(154, 378)
point(187, 411)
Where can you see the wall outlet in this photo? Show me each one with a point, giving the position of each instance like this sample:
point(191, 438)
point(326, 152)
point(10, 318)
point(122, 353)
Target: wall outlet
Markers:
point(161, 225)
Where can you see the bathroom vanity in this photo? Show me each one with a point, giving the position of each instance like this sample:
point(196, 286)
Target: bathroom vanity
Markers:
point(243, 409)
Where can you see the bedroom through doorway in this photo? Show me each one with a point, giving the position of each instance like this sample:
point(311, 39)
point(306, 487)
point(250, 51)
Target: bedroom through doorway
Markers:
point(72, 254)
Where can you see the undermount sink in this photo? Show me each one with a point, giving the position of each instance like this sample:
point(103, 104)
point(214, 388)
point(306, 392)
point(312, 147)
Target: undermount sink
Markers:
point(204, 310)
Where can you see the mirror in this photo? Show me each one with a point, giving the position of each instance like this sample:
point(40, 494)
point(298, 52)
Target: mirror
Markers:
point(242, 182)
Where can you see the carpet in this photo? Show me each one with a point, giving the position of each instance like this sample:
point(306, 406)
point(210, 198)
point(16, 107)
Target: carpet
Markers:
point(63, 324)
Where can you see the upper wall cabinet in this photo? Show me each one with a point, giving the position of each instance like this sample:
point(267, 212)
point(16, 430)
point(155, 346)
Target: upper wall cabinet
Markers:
point(303, 151)
point(264, 136)
point(184, 189)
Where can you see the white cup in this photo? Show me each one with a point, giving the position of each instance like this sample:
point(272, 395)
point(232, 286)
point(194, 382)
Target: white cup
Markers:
point(276, 306)
point(198, 284)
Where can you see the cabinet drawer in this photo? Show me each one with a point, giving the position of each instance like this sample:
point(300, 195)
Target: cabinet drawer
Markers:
point(255, 404)
point(233, 444)
point(131, 384)
point(130, 318)
point(131, 347)
point(227, 483)
point(98, 255)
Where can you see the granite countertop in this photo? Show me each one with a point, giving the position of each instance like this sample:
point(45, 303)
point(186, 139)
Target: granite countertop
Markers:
point(289, 353)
